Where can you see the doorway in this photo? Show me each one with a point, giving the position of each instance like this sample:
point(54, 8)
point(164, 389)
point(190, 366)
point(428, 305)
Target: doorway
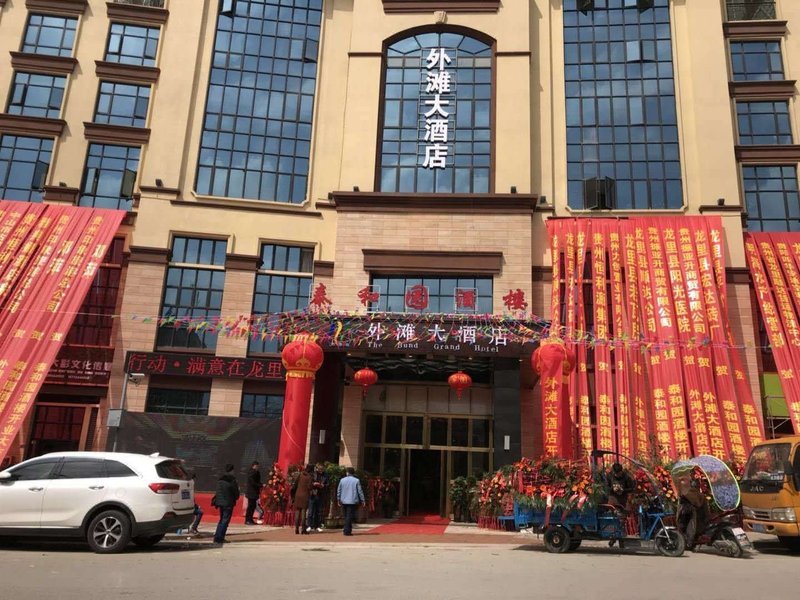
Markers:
point(61, 428)
point(424, 482)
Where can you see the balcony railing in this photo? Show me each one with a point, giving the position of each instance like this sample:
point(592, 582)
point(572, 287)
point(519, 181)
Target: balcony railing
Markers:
point(151, 3)
point(750, 10)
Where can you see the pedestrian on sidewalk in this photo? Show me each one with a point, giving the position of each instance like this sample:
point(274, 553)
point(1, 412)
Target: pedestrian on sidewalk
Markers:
point(300, 496)
point(225, 499)
point(350, 495)
point(252, 491)
point(198, 512)
point(319, 482)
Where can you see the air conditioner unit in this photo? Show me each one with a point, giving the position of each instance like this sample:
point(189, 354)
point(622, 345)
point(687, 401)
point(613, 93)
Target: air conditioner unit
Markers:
point(599, 193)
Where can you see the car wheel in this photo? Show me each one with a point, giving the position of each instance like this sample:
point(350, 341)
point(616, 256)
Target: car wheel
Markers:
point(146, 541)
point(109, 532)
point(556, 539)
point(669, 542)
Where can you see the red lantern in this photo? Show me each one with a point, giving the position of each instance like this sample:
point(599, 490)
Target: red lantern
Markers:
point(459, 381)
point(365, 377)
point(302, 357)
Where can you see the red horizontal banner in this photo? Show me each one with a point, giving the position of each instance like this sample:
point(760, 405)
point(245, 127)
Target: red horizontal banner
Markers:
point(190, 365)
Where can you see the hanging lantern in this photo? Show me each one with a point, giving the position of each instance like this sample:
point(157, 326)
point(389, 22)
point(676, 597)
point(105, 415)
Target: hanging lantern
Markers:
point(365, 377)
point(459, 381)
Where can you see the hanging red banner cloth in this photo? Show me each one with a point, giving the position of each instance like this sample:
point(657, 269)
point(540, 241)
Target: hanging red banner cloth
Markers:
point(603, 379)
point(48, 259)
point(779, 313)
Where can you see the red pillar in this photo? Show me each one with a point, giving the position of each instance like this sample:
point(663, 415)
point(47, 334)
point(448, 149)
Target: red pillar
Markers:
point(301, 359)
point(553, 361)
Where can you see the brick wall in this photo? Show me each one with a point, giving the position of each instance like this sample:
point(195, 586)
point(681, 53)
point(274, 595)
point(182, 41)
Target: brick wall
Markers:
point(349, 450)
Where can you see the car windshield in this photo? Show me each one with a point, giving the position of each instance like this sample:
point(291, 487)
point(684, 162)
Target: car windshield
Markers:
point(172, 469)
point(767, 462)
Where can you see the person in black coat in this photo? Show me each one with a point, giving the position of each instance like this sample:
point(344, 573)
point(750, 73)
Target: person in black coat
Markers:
point(251, 492)
point(225, 499)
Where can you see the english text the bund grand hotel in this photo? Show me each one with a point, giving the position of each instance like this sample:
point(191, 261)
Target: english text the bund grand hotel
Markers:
point(396, 178)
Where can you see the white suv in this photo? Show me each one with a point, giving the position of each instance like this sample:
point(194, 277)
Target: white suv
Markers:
point(107, 498)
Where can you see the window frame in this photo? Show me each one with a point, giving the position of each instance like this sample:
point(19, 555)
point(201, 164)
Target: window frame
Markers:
point(40, 171)
point(201, 409)
point(50, 111)
point(117, 56)
point(109, 117)
point(732, 55)
point(379, 137)
point(127, 179)
point(63, 51)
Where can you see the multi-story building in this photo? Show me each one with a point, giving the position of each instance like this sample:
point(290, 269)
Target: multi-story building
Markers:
point(405, 154)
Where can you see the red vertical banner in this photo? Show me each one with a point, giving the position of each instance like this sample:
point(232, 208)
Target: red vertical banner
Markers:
point(603, 382)
point(620, 359)
point(62, 250)
point(581, 387)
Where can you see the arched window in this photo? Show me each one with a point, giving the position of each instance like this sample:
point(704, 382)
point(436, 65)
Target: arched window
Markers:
point(436, 132)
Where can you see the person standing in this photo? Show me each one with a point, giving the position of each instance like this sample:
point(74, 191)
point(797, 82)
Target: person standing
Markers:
point(315, 501)
point(252, 491)
point(301, 492)
point(225, 499)
point(350, 495)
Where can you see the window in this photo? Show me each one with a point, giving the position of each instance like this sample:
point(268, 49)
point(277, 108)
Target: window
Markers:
point(423, 294)
point(24, 162)
point(132, 45)
point(621, 115)
point(764, 122)
point(122, 104)
point(92, 324)
point(771, 198)
point(82, 468)
point(193, 290)
point(257, 131)
point(756, 61)
point(36, 95)
point(117, 469)
point(283, 284)
point(262, 406)
point(50, 35)
point(177, 402)
point(464, 121)
point(109, 176)
point(172, 469)
point(40, 469)
point(750, 10)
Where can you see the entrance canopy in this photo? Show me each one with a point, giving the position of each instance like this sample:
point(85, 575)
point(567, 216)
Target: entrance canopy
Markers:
point(48, 258)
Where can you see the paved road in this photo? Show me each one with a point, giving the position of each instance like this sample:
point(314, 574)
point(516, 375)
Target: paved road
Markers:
point(180, 570)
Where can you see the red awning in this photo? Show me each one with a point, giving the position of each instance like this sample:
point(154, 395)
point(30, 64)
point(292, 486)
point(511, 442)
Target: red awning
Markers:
point(49, 255)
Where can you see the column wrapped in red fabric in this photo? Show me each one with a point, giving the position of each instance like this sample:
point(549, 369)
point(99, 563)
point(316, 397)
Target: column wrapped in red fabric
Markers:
point(553, 362)
point(301, 359)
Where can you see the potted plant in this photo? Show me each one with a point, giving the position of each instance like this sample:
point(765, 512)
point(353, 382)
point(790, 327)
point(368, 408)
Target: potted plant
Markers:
point(459, 498)
point(362, 512)
point(335, 473)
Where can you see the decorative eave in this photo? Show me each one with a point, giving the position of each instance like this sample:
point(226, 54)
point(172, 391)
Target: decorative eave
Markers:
point(58, 7)
point(376, 202)
point(160, 191)
point(61, 194)
point(153, 256)
point(754, 29)
point(134, 13)
point(716, 208)
point(740, 275)
point(323, 268)
point(785, 154)
point(427, 261)
point(127, 73)
point(115, 134)
point(539, 273)
point(37, 126)
point(775, 90)
point(428, 6)
point(242, 262)
point(39, 63)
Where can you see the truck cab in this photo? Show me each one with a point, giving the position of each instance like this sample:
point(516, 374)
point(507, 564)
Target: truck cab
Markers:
point(771, 490)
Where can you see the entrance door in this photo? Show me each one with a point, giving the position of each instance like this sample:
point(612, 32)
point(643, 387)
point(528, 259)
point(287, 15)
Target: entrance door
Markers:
point(424, 482)
point(58, 428)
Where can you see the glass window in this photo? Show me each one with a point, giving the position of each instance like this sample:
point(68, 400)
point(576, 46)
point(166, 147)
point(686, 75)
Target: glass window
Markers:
point(117, 469)
point(622, 134)
point(756, 60)
point(256, 136)
point(24, 162)
point(36, 95)
point(39, 469)
point(262, 406)
point(109, 177)
point(438, 431)
point(374, 429)
point(192, 294)
point(414, 430)
point(480, 463)
point(179, 402)
point(394, 429)
point(437, 105)
point(764, 122)
point(51, 35)
point(372, 460)
point(771, 198)
point(80, 468)
point(459, 432)
point(767, 462)
point(122, 104)
point(277, 292)
point(132, 45)
point(480, 433)
point(423, 294)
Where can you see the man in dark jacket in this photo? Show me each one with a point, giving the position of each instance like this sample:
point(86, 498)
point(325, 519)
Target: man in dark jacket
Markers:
point(319, 483)
point(225, 499)
point(620, 486)
point(251, 492)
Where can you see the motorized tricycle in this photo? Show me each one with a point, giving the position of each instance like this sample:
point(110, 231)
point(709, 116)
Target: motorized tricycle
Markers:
point(643, 525)
point(709, 512)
